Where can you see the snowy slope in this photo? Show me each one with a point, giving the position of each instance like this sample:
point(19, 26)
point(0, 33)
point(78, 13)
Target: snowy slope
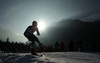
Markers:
point(51, 57)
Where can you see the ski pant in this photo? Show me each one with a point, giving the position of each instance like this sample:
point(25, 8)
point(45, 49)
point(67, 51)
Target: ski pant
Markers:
point(33, 38)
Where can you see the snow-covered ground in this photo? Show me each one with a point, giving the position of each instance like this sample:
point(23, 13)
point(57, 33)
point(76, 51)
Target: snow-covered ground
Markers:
point(51, 57)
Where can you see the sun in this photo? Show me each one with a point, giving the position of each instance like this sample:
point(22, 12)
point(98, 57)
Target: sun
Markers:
point(41, 25)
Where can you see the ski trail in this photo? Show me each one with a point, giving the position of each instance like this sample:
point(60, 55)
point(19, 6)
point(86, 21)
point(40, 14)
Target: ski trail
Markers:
point(51, 57)
point(73, 57)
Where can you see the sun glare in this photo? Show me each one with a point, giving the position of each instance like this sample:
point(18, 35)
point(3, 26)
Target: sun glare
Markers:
point(41, 25)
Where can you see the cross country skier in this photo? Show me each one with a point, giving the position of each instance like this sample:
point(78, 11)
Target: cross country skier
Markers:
point(31, 37)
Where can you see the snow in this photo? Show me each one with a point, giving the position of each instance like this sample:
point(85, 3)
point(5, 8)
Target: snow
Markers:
point(51, 57)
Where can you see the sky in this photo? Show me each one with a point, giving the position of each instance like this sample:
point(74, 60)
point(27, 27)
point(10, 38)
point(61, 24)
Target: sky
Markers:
point(16, 15)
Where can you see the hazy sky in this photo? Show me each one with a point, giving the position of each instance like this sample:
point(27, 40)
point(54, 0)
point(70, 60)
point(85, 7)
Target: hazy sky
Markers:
point(16, 15)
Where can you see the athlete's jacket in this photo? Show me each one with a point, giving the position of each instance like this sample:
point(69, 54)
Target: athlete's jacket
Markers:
point(30, 30)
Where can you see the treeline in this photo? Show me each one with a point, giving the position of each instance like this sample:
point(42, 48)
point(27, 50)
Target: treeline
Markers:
point(13, 47)
point(78, 45)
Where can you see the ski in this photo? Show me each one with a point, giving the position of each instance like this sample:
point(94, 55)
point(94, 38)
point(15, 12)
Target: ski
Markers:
point(38, 55)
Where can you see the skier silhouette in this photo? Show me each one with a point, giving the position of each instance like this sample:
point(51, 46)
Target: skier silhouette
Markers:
point(62, 46)
point(56, 46)
point(71, 45)
point(79, 44)
point(31, 37)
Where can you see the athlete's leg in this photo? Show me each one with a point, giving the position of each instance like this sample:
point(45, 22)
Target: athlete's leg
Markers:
point(33, 48)
point(37, 40)
point(31, 38)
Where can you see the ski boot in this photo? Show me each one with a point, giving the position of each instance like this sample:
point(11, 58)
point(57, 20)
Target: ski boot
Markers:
point(33, 52)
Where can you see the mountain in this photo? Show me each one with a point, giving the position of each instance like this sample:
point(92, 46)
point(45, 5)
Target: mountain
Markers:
point(4, 34)
point(97, 21)
point(61, 31)
point(65, 30)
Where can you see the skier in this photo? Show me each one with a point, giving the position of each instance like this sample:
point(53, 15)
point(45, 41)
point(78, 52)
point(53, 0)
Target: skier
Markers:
point(56, 46)
point(71, 45)
point(79, 44)
point(31, 37)
point(62, 46)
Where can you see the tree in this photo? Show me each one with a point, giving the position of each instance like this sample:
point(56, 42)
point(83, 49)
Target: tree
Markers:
point(7, 40)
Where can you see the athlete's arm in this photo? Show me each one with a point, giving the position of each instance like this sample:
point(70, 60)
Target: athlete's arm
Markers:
point(38, 33)
point(27, 30)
